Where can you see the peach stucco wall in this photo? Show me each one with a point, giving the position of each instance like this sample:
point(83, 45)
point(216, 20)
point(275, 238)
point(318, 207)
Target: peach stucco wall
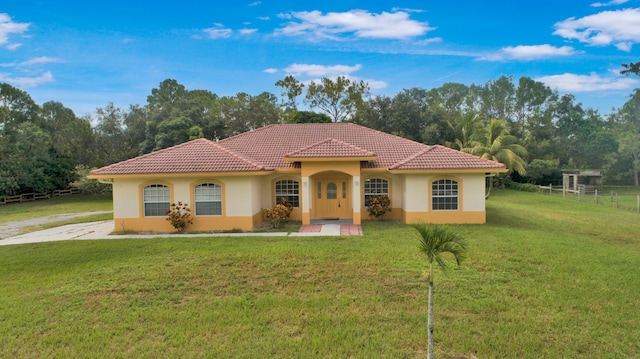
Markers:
point(246, 198)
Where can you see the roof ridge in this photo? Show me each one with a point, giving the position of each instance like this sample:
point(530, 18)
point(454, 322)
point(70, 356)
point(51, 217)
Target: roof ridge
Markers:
point(259, 129)
point(412, 157)
point(243, 158)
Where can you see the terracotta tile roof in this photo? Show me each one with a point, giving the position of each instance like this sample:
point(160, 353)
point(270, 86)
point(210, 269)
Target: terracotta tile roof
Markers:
point(269, 144)
point(440, 157)
point(265, 149)
point(330, 148)
point(199, 155)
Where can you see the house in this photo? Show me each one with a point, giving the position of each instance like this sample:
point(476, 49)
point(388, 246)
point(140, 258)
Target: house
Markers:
point(326, 171)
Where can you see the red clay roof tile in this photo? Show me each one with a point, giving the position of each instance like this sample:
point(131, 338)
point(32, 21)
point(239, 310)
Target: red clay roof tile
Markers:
point(265, 149)
point(199, 155)
point(330, 148)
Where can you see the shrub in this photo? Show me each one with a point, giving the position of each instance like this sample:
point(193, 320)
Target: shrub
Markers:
point(179, 215)
point(379, 206)
point(88, 185)
point(525, 187)
point(279, 214)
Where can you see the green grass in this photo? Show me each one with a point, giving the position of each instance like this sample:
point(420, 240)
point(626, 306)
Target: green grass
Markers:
point(58, 205)
point(545, 278)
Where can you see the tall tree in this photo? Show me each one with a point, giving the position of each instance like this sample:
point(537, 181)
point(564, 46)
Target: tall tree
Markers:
point(498, 99)
point(291, 90)
point(16, 106)
point(435, 242)
point(627, 125)
point(339, 98)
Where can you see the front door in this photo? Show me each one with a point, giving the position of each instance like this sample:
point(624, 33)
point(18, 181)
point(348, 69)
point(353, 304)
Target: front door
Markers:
point(332, 196)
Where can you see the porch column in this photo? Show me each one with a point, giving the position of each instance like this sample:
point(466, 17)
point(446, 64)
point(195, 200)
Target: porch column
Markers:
point(306, 200)
point(355, 200)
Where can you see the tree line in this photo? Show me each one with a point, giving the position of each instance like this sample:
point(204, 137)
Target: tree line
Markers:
point(522, 123)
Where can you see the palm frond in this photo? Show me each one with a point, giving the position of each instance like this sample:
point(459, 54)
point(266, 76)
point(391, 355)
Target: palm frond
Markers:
point(436, 240)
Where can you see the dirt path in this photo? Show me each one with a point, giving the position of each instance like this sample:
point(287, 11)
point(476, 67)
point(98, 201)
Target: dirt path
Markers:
point(12, 228)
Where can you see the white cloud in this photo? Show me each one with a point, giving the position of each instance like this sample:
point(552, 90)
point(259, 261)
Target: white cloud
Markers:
point(264, 18)
point(217, 32)
point(620, 28)
point(359, 23)
point(27, 81)
point(270, 70)
point(255, 3)
point(39, 60)
point(374, 85)
point(31, 62)
point(396, 9)
point(610, 3)
point(247, 31)
point(586, 83)
point(529, 52)
point(8, 27)
point(320, 70)
point(429, 41)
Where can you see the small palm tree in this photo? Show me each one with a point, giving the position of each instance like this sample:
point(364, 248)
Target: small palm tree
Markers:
point(436, 240)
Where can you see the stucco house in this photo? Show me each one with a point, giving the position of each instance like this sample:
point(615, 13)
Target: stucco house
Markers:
point(326, 171)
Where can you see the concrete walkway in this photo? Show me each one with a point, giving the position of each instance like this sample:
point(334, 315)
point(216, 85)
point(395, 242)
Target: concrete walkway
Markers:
point(102, 230)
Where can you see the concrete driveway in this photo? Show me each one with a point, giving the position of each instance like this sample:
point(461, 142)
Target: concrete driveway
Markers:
point(102, 230)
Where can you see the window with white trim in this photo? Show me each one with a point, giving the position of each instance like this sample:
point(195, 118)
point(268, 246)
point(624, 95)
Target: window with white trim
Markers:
point(444, 195)
point(156, 198)
point(289, 190)
point(208, 199)
point(375, 187)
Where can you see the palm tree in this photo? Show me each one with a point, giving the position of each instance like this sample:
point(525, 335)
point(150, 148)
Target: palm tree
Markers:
point(436, 240)
point(496, 144)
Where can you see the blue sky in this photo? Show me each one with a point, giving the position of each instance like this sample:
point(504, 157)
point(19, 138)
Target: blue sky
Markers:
point(86, 54)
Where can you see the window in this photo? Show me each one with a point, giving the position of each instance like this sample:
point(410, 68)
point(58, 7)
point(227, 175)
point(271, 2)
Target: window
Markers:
point(375, 187)
point(156, 198)
point(332, 191)
point(290, 190)
point(208, 199)
point(444, 195)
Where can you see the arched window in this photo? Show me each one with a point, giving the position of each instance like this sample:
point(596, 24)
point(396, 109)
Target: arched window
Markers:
point(156, 198)
point(208, 199)
point(289, 190)
point(444, 195)
point(375, 187)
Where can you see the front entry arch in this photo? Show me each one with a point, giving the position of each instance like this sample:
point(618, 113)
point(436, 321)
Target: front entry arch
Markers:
point(331, 196)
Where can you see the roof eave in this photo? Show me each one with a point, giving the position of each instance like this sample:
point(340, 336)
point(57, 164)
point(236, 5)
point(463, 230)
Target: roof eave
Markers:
point(447, 170)
point(181, 174)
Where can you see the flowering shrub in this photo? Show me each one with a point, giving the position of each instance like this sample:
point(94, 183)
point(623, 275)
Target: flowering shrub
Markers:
point(378, 206)
point(179, 215)
point(279, 214)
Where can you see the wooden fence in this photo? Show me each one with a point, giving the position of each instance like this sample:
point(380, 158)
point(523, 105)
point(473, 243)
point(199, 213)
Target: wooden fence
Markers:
point(625, 201)
point(33, 196)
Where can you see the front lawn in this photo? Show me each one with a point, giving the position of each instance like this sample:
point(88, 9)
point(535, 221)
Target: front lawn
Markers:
point(58, 205)
point(545, 278)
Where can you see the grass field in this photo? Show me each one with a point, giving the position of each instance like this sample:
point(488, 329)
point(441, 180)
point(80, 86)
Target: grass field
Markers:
point(58, 205)
point(545, 278)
